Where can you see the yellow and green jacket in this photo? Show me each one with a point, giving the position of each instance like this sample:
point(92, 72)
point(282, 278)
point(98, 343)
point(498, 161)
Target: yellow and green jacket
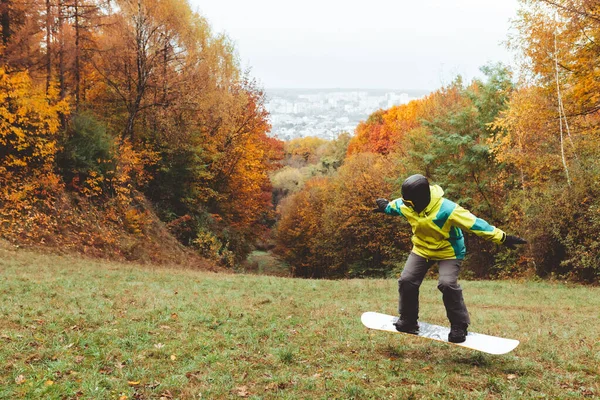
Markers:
point(437, 230)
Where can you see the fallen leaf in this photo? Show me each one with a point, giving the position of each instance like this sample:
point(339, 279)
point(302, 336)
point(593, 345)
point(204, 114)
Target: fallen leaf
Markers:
point(173, 357)
point(19, 380)
point(133, 383)
point(194, 375)
point(275, 386)
point(242, 391)
point(166, 395)
point(123, 397)
point(79, 359)
point(565, 386)
point(49, 383)
point(174, 316)
point(511, 377)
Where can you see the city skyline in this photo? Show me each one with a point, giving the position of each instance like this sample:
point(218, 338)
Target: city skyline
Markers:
point(325, 113)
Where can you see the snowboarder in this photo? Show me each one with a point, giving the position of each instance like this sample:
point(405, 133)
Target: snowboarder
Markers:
point(437, 225)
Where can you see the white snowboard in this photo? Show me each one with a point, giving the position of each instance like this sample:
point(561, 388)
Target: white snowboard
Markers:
point(475, 341)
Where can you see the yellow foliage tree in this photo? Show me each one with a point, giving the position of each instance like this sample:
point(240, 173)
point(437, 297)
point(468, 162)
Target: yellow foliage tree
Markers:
point(529, 142)
point(29, 130)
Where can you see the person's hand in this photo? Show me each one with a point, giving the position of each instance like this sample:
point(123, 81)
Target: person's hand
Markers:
point(381, 205)
point(510, 241)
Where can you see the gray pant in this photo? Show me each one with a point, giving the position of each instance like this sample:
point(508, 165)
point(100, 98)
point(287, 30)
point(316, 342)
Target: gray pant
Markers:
point(411, 278)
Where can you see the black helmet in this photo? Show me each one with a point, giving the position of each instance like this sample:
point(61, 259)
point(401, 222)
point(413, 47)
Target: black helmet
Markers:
point(415, 192)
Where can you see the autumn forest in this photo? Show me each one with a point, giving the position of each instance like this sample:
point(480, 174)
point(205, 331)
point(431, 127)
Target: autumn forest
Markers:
point(128, 130)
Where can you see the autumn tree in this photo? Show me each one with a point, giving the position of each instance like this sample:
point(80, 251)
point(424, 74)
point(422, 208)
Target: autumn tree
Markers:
point(327, 229)
point(21, 33)
point(383, 130)
point(549, 136)
point(306, 158)
point(368, 135)
point(29, 132)
point(241, 173)
point(300, 152)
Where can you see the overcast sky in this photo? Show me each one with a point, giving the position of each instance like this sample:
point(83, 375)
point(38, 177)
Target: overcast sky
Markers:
point(391, 44)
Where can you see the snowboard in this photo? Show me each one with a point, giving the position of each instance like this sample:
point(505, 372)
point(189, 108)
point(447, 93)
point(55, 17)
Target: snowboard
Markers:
point(476, 341)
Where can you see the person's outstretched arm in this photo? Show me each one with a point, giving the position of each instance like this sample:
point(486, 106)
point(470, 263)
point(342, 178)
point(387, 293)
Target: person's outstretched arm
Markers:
point(388, 207)
point(469, 222)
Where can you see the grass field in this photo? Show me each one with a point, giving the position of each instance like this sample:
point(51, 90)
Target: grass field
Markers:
point(77, 328)
point(264, 263)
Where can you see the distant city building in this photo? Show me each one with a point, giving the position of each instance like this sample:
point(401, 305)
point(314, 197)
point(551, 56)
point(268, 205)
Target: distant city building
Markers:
point(326, 113)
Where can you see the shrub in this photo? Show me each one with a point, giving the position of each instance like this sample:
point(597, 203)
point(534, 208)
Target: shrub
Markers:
point(210, 247)
point(88, 151)
point(562, 225)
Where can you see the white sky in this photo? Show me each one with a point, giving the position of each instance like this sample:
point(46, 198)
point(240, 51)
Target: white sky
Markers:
point(391, 44)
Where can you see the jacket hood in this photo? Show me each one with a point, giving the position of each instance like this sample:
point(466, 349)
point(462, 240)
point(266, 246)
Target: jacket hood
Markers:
point(436, 196)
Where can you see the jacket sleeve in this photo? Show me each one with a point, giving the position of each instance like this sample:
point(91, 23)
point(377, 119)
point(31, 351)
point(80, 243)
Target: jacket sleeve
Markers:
point(465, 220)
point(393, 207)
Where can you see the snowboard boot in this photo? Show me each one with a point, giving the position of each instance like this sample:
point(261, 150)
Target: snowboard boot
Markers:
point(458, 333)
point(407, 326)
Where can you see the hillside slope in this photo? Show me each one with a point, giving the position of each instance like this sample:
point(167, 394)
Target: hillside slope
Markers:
point(81, 328)
point(74, 225)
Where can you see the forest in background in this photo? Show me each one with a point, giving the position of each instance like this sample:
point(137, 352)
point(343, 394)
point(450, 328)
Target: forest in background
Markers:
point(125, 124)
point(521, 153)
point(128, 130)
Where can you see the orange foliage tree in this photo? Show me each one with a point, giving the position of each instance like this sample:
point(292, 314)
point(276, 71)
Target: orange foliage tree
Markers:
point(327, 229)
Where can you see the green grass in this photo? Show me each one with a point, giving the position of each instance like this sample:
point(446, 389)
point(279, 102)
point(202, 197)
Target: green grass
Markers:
point(78, 328)
point(264, 263)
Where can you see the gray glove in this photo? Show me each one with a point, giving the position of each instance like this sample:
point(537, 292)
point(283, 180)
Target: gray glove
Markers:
point(381, 205)
point(510, 241)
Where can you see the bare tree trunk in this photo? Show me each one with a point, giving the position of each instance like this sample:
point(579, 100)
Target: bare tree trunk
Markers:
point(61, 51)
point(77, 67)
point(5, 20)
point(142, 73)
point(560, 113)
point(48, 44)
point(165, 64)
